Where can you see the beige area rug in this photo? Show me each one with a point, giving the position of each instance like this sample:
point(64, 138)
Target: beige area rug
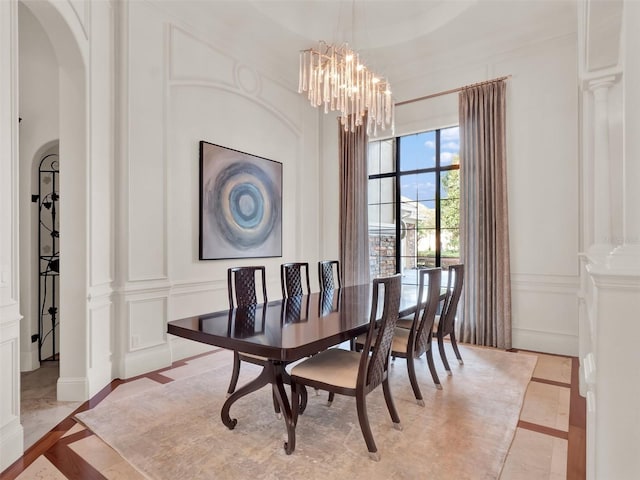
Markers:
point(174, 431)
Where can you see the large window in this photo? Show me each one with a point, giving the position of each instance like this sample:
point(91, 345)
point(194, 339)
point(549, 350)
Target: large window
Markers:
point(414, 202)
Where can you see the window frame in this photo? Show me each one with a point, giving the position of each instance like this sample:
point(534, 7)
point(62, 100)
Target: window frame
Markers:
point(438, 169)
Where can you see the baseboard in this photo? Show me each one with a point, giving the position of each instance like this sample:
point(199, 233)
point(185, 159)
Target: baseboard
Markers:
point(146, 360)
point(11, 443)
point(545, 342)
point(29, 360)
point(73, 389)
point(100, 377)
point(185, 348)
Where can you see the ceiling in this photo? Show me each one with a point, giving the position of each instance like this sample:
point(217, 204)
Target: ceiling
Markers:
point(396, 38)
point(364, 24)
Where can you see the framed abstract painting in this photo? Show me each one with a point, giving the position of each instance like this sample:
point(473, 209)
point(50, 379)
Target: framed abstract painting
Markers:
point(240, 204)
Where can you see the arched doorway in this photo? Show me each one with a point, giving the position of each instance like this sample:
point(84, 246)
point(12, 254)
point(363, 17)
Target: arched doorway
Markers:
point(61, 25)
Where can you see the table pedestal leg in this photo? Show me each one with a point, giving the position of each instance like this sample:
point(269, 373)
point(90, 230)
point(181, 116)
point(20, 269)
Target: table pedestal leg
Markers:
point(285, 407)
point(266, 376)
point(274, 373)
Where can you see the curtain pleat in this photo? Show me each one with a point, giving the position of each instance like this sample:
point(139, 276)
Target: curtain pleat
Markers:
point(486, 316)
point(354, 221)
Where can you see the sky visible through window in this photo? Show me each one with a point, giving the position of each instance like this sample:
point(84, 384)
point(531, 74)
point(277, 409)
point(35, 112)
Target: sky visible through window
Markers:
point(417, 152)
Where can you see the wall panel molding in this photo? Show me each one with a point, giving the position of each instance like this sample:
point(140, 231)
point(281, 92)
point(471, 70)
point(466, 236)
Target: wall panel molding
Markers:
point(147, 322)
point(238, 77)
point(545, 283)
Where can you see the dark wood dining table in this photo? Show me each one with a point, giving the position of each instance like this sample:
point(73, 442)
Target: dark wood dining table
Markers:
point(284, 331)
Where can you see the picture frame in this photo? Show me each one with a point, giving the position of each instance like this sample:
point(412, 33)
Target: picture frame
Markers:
point(240, 204)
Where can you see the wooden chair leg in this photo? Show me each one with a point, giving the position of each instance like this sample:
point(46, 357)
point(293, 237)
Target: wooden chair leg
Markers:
point(330, 399)
point(414, 381)
point(391, 406)
point(454, 344)
point(363, 418)
point(235, 373)
point(443, 355)
point(432, 369)
point(303, 397)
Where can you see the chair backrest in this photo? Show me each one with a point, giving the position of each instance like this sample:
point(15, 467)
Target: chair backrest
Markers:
point(328, 276)
point(291, 279)
point(450, 305)
point(422, 328)
point(241, 285)
point(373, 368)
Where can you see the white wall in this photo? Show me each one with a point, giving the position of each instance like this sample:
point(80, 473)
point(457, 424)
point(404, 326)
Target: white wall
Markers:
point(542, 144)
point(38, 132)
point(184, 84)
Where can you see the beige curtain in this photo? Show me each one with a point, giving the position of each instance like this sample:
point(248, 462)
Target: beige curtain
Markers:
point(484, 216)
point(354, 221)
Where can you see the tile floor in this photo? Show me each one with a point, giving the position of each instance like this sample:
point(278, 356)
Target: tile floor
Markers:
point(540, 449)
point(39, 409)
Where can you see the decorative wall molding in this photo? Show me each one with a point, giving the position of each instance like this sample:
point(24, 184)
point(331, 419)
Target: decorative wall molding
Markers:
point(620, 281)
point(83, 17)
point(147, 322)
point(152, 286)
point(240, 79)
point(186, 287)
point(101, 293)
point(545, 283)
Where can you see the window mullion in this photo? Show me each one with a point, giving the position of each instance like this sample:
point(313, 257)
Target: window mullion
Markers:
point(398, 206)
point(438, 220)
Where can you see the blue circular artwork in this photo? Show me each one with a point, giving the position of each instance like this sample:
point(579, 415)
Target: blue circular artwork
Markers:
point(246, 209)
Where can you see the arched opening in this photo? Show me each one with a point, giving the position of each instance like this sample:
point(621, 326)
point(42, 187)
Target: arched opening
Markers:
point(48, 256)
point(57, 24)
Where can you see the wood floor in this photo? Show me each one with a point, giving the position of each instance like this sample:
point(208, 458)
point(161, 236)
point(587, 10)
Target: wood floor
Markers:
point(549, 442)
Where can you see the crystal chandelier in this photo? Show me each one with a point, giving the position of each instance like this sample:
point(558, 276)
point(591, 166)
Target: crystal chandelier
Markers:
point(335, 76)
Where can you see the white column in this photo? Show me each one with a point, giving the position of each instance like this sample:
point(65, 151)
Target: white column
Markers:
point(627, 256)
point(613, 422)
point(601, 188)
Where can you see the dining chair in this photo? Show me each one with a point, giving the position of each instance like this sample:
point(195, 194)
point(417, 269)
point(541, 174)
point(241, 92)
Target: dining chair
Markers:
point(291, 279)
point(329, 276)
point(445, 322)
point(356, 374)
point(242, 288)
point(414, 342)
point(243, 292)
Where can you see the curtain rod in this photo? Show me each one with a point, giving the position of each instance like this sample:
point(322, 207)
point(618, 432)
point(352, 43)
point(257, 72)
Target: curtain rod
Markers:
point(453, 90)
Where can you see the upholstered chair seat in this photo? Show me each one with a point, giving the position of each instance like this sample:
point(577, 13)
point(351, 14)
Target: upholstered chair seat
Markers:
point(334, 366)
point(406, 322)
